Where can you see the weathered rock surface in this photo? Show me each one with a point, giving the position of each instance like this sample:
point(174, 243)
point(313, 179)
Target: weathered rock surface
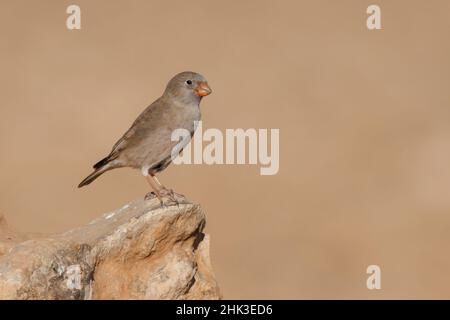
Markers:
point(141, 251)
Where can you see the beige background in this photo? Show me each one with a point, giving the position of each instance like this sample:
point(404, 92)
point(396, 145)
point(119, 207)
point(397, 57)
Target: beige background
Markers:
point(363, 115)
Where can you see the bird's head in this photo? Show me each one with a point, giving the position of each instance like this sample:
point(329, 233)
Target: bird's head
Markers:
point(188, 86)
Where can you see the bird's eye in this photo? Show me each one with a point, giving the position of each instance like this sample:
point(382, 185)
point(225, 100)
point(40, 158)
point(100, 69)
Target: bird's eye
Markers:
point(189, 82)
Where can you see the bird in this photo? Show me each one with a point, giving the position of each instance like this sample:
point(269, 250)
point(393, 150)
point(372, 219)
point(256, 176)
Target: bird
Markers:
point(147, 144)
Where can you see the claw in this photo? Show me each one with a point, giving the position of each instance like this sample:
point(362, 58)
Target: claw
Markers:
point(150, 196)
point(162, 192)
point(172, 197)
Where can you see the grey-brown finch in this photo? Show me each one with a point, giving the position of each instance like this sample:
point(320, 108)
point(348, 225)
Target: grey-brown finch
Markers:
point(147, 145)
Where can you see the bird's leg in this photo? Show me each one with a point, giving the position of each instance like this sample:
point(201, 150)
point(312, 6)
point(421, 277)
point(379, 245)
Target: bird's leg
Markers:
point(173, 195)
point(158, 190)
point(157, 182)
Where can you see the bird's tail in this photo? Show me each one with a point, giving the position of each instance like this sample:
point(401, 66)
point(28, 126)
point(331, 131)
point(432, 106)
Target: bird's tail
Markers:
point(94, 175)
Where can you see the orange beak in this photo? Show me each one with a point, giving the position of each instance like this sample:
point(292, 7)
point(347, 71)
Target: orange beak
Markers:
point(203, 89)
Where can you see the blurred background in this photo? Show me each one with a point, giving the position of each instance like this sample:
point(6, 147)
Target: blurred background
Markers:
point(364, 132)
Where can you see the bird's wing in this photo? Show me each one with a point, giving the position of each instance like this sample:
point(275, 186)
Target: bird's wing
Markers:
point(140, 127)
point(123, 141)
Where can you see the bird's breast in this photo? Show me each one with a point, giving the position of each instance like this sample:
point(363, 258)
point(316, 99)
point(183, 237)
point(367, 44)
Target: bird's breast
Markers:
point(187, 118)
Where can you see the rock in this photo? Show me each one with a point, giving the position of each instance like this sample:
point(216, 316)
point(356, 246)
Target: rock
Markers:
point(141, 251)
point(8, 237)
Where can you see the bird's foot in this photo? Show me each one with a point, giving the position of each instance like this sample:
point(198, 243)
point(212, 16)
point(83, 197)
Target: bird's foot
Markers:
point(170, 196)
point(176, 195)
point(166, 197)
point(150, 196)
